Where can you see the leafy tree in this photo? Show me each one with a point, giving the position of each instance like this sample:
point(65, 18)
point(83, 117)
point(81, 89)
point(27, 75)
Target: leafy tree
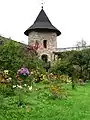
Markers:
point(74, 63)
point(81, 43)
point(14, 55)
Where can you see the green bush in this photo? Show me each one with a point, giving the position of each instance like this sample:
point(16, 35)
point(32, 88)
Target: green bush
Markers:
point(14, 55)
point(6, 90)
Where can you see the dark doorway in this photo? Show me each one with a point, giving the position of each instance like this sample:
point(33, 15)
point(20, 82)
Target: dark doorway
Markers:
point(45, 58)
point(46, 63)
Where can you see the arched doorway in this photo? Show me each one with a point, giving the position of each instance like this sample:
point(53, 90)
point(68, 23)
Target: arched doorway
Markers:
point(44, 58)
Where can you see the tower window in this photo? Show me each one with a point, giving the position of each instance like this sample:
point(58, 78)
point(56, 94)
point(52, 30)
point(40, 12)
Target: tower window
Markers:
point(45, 43)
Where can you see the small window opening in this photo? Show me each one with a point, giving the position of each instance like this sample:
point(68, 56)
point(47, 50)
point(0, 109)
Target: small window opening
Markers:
point(45, 43)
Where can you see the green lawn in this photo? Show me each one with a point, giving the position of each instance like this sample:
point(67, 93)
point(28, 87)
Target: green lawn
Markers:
point(38, 106)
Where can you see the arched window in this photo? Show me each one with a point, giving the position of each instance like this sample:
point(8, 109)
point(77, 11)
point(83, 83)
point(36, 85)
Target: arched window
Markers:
point(45, 43)
point(44, 58)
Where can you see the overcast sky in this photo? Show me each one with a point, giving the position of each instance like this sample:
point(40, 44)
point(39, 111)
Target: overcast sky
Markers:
point(71, 17)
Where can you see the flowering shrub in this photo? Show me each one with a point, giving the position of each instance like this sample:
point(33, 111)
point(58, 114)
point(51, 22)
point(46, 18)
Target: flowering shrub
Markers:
point(59, 78)
point(65, 79)
point(57, 91)
point(6, 83)
point(54, 91)
point(24, 78)
point(22, 73)
point(37, 75)
point(5, 77)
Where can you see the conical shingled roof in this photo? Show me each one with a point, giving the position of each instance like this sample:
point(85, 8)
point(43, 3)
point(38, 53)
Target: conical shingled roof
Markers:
point(42, 23)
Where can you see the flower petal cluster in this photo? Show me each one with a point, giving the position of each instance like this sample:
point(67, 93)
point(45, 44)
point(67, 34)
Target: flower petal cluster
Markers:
point(23, 71)
point(6, 72)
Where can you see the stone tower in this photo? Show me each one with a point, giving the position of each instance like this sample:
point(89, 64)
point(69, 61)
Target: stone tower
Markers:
point(43, 32)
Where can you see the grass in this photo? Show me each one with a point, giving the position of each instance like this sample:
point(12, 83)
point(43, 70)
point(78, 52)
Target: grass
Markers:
point(38, 106)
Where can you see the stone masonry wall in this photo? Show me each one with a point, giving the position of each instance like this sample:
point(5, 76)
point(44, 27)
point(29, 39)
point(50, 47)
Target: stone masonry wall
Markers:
point(51, 43)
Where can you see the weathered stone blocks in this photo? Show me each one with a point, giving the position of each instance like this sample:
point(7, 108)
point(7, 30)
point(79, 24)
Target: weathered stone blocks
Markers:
point(40, 37)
